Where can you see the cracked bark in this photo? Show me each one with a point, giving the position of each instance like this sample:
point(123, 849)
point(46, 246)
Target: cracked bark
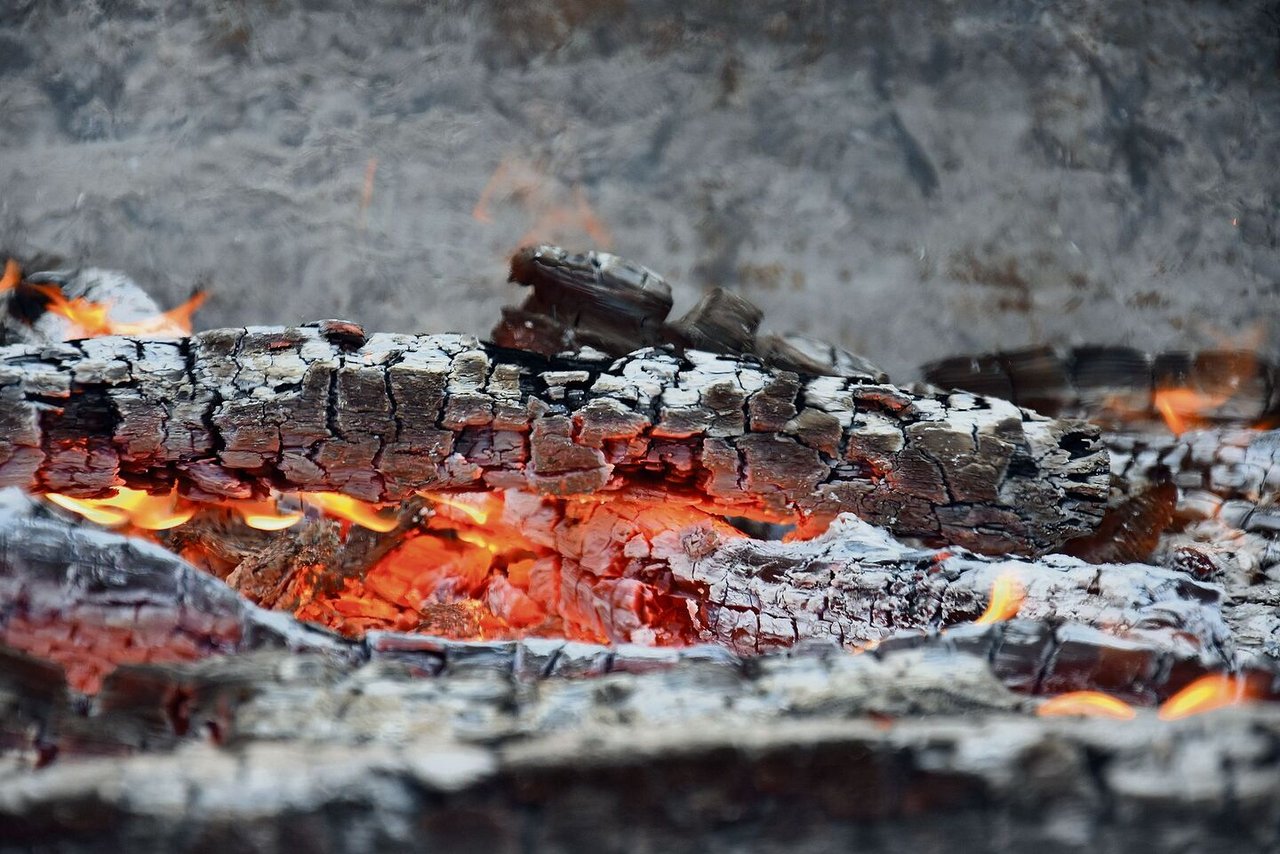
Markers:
point(227, 413)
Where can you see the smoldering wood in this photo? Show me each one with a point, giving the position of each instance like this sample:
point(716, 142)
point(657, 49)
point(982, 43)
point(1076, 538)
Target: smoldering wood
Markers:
point(96, 600)
point(1227, 514)
point(229, 413)
point(1117, 383)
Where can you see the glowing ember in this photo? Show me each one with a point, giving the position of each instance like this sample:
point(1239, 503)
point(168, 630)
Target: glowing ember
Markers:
point(1092, 704)
point(1204, 695)
point(130, 507)
point(1007, 595)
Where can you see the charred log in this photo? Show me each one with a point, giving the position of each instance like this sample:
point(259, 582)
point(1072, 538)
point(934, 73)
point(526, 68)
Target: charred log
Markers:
point(1117, 382)
point(94, 601)
point(228, 413)
point(826, 751)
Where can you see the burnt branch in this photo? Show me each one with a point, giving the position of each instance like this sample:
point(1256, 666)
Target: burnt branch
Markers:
point(228, 413)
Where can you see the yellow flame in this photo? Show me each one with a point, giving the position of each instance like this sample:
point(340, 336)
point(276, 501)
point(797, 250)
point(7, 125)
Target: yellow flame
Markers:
point(1007, 594)
point(461, 504)
point(132, 507)
point(90, 510)
point(265, 515)
point(1204, 695)
point(352, 509)
point(174, 322)
point(1091, 704)
point(477, 540)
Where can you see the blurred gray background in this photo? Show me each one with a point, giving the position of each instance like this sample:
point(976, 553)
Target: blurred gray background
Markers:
point(909, 179)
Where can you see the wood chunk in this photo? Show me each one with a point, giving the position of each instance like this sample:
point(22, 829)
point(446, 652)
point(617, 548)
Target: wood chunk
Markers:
point(231, 413)
point(594, 300)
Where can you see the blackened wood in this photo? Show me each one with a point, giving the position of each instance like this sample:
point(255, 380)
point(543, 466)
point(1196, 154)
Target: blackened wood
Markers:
point(1118, 383)
point(230, 412)
point(592, 300)
point(599, 301)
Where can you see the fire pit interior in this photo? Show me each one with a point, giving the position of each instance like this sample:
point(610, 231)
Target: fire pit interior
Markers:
point(890, 457)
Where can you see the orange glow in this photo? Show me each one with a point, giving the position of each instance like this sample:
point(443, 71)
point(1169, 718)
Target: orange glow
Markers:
point(92, 319)
point(1204, 695)
point(12, 276)
point(558, 210)
point(352, 509)
point(1090, 704)
point(130, 507)
point(1007, 595)
point(1184, 408)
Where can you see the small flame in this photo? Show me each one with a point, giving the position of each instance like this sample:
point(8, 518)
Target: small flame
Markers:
point(92, 319)
point(265, 515)
point(1007, 595)
point(352, 509)
point(88, 319)
point(130, 507)
point(1092, 704)
point(1204, 695)
point(464, 504)
point(12, 276)
point(1183, 408)
point(175, 322)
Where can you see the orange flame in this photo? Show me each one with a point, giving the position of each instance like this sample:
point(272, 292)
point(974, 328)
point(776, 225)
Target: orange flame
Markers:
point(352, 509)
point(130, 507)
point(12, 276)
point(1204, 695)
point(1184, 408)
point(92, 319)
point(1092, 704)
point(1007, 595)
point(175, 322)
point(543, 196)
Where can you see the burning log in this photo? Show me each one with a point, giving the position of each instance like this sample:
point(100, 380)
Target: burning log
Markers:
point(229, 413)
point(94, 601)
point(1119, 383)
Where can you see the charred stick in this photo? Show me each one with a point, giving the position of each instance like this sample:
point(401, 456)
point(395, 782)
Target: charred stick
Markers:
point(228, 413)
